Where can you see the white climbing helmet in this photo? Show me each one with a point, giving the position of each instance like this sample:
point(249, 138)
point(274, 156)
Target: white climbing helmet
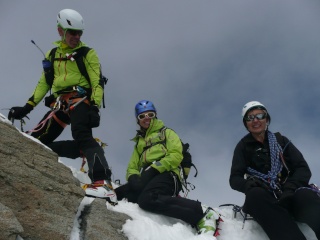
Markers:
point(251, 105)
point(70, 19)
point(254, 105)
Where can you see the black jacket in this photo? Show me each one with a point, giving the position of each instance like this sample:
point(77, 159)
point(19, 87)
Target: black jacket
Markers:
point(251, 153)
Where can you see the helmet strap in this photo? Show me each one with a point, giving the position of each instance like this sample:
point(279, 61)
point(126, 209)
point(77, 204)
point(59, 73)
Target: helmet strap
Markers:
point(64, 35)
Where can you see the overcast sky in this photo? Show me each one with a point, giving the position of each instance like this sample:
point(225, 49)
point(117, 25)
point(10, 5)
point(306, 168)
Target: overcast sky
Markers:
point(199, 61)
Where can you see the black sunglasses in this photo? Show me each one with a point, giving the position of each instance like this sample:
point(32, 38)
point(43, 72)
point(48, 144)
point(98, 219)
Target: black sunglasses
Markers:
point(258, 116)
point(75, 32)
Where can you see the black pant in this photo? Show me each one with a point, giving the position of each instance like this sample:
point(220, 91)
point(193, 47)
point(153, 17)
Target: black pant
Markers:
point(83, 140)
point(279, 222)
point(159, 196)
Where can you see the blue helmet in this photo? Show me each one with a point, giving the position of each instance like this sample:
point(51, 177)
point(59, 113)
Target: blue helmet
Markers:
point(144, 106)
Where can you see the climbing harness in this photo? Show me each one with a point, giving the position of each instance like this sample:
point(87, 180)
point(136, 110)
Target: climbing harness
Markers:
point(65, 102)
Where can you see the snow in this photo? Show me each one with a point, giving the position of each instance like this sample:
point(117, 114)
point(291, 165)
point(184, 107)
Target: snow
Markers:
point(148, 226)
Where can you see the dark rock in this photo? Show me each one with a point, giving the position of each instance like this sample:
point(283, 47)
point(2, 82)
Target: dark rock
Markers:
point(40, 196)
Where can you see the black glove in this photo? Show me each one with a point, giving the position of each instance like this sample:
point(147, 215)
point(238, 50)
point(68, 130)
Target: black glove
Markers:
point(19, 112)
point(249, 185)
point(94, 116)
point(287, 194)
point(134, 182)
point(122, 191)
point(48, 100)
point(137, 183)
point(147, 175)
point(252, 183)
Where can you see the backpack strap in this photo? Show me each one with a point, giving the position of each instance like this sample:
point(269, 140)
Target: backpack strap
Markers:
point(81, 53)
point(49, 72)
point(163, 140)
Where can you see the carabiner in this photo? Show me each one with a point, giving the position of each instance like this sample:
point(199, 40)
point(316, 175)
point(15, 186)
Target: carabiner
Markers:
point(57, 104)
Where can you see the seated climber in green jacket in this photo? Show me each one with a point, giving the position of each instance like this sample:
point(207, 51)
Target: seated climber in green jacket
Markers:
point(153, 173)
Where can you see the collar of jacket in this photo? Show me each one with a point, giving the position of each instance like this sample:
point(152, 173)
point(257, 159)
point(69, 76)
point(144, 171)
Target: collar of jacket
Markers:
point(250, 139)
point(65, 48)
point(155, 126)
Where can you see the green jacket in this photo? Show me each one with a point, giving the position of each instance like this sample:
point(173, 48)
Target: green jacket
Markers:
point(157, 155)
point(67, 74)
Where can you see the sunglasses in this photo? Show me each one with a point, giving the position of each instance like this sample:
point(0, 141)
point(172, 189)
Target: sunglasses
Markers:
point(75, 32)
point(149, 115)
point(258, 116)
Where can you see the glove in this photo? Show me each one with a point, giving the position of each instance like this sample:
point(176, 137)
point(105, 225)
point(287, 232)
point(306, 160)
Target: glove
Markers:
point(134, 182)
point(251, 183)
point(287, 194)
point(19, 112)
point(138, 183)
point(94, 116)
point(147, 175)
point(48, 100)
point(122, 191)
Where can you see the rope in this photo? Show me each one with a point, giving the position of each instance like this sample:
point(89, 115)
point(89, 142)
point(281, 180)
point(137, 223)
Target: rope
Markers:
point(42, 124)
point(276, 165)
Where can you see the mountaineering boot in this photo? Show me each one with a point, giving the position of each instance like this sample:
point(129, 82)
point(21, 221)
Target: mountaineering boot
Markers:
point(102, 189)
point(208, 223)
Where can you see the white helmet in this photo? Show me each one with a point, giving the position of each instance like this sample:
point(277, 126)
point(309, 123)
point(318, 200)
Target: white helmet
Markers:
point(251, 105)
point(70, 19)
point(254, 105)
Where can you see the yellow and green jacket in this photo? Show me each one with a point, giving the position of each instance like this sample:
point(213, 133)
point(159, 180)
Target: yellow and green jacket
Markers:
point(163, 157)
point(67, 74)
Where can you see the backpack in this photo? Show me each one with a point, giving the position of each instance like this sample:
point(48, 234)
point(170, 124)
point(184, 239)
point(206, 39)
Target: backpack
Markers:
point(186, 163)
point(79, 58)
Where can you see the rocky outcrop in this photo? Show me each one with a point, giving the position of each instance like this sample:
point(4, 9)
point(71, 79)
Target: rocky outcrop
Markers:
point(100, 223)
point(40, 196)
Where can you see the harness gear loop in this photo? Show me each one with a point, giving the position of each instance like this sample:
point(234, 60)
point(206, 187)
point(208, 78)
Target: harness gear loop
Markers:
point(68, 101)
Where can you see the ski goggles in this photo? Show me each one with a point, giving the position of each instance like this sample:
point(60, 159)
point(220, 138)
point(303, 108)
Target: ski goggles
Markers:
point(75, 32)
point(148, 114)
point(258, 116)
